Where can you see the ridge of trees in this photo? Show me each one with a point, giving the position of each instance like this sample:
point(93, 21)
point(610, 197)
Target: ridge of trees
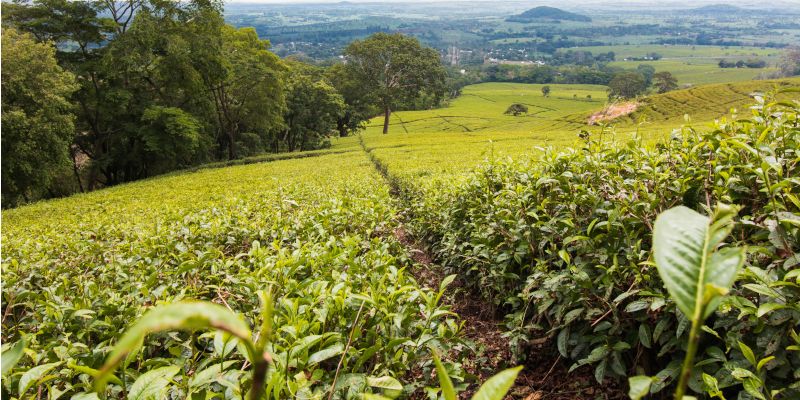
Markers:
point(137, 88)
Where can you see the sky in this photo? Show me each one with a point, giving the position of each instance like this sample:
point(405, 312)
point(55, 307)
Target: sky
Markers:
point(537, 2)
point(560, 3)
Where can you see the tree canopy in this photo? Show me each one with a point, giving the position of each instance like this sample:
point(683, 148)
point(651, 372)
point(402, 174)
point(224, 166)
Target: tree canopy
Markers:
point(627, 85)
point(37, 119)
point(664, 82)
point(395, 71)
point(131, 89)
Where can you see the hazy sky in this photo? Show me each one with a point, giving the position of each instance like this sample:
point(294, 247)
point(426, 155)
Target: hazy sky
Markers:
point(566, 3)
point(754, 3)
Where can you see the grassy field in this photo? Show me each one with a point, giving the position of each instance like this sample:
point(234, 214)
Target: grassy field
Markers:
point(682, 51)
point(698, 71)
point(474, 126)
point(693, 65)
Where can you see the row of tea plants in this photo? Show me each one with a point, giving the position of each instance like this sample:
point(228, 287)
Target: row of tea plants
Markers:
point(561, 246)
point(346, 318)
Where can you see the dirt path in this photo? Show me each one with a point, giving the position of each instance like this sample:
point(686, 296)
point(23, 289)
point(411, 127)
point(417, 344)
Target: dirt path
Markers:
point(544, 375)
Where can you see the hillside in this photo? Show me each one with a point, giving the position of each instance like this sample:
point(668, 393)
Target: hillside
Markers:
point(548, 13)
point(707, 102)
point(368, 231)
point(718, 9)
point(448, 142)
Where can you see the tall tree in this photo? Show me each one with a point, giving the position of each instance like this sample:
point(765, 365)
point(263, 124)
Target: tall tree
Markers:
point(248, 94)
point(313, 107)
point(648, 72)
point(359, 104)
point(664, 82)
point(626, 85)
point(396, 70)
point(37, 120)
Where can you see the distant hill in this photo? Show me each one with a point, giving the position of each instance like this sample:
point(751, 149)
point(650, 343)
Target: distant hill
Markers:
point(548, 13)
point(718, 9)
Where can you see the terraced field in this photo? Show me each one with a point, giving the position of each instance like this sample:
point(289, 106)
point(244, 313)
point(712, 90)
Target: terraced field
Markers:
point(704, 103)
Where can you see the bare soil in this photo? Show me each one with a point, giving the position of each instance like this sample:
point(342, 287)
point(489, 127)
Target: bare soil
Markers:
point(613, 112)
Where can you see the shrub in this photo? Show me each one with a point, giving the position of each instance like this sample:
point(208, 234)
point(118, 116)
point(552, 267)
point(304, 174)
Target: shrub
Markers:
point(562, 247)
point(517, 109)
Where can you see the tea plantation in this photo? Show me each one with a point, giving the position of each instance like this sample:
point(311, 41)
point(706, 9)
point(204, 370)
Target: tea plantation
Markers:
point(543, 222)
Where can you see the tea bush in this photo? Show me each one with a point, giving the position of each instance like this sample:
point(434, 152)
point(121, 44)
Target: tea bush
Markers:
point(317, 232)
point(561, 246)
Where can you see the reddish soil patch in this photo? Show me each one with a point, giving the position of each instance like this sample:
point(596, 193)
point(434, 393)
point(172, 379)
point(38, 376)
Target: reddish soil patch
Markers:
point(612, 112)
point(544, 375)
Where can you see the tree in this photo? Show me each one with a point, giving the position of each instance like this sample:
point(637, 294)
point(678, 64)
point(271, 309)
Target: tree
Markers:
point(359, 106)
point(664, 82)
point(249, 96)
point(396, 70)
point(626, 85)
point(647, 72)
point(313, 107)
point(545, 91)
point(37, 122)
point(790, 62)
point(517, 109)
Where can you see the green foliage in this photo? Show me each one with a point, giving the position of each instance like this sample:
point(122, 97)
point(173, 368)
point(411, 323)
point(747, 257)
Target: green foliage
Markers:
point(664, 82)
point(396, 71)
point(37, 122)
point(163, 85)
point(545, 90)
point(495, 388)
point(170, 136)
point(358, 105)
point(562, 247)
point(695, 271)
point(12, 356)
point(627, 85)
point(516, 109)
point(345, 307)
point(313, 108)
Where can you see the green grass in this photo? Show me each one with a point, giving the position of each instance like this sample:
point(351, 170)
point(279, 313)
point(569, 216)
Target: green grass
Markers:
point(682, 51)
point(474, 126)
point(693, 65)
point(698, 71)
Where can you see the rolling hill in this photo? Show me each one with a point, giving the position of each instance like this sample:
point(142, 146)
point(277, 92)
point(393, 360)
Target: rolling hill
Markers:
point(548, 13)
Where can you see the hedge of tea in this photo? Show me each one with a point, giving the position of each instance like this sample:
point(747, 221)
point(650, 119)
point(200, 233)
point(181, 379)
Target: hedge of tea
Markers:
point(78, 272)
point(561, 246)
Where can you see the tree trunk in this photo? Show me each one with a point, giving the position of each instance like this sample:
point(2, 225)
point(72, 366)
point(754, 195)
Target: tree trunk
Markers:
point(231, 146)
point(73, 151)
point(341, 126)
point(386, 114)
